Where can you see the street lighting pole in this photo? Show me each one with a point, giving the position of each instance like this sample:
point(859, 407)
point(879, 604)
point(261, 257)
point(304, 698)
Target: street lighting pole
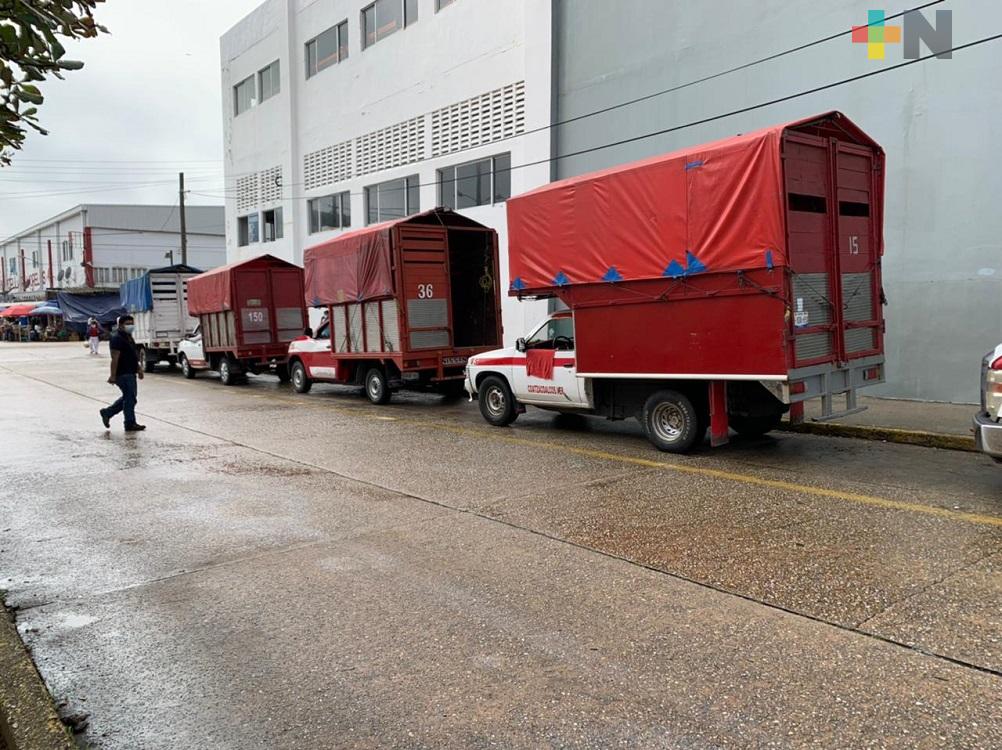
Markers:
point(184, 229)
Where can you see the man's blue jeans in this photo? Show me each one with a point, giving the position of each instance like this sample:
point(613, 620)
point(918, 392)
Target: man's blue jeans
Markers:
point(127, 403)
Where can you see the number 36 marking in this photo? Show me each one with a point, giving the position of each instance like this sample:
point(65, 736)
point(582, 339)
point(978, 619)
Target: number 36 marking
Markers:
point(425, 291)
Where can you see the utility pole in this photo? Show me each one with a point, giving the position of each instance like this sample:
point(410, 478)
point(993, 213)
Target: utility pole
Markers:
point(184, 229)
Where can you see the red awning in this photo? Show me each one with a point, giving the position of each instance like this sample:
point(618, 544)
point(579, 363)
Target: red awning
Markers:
point(19, 311)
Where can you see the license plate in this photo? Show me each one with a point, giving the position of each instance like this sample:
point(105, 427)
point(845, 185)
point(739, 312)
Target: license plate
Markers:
point(453, 360)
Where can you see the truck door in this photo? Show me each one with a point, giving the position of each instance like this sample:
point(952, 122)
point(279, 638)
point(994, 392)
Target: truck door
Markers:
point(563, 388)
point(858, 252)
point(424, 256)
point(253, 305)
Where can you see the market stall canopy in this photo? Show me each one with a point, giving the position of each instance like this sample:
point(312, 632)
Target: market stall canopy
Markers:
point(49, 308)
point(136, 295)
point(714, 207)
point(79, 308)
point(19, 310)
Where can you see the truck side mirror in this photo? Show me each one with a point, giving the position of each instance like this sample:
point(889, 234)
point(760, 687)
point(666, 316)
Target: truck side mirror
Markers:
point(520, 345)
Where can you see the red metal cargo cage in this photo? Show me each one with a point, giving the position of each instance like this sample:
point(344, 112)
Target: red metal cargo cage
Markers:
point(413, 298)
point(752, 258)
point(251, 309)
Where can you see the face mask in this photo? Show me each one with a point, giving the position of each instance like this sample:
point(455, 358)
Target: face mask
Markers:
point(128, 328)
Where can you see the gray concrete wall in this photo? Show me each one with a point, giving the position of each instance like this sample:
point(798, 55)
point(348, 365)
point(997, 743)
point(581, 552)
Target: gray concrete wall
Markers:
point(939, 120)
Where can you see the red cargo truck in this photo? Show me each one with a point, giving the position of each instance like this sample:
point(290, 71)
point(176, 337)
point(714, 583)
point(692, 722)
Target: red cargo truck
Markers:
point(248, 312)
point(721, 285)
point(407, 303)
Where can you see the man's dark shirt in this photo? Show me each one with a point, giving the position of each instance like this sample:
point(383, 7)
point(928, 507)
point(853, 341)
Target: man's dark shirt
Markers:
point(128, 360)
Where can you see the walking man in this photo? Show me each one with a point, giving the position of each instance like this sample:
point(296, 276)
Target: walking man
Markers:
point(124, 373)
point(93, 335)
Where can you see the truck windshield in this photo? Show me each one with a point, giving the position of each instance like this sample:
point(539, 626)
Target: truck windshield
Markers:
point(555, 333)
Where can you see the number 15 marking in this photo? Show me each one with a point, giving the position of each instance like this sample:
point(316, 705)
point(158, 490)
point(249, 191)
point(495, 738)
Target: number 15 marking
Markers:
point(854, 244)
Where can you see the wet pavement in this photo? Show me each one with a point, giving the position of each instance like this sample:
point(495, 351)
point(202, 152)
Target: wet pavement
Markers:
point(264, 569)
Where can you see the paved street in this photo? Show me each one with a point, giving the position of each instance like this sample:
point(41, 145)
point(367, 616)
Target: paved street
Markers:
point(264, 569)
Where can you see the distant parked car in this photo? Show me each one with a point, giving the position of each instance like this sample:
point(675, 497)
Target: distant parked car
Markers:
point(988, 422)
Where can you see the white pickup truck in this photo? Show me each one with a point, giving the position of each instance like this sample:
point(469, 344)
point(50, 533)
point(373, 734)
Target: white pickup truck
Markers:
point(675, 413)
point(158, 301)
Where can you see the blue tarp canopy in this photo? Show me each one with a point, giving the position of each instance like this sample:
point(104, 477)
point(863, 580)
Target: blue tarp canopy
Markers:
point(79, 308)
point(48, 308)
point(136, 295)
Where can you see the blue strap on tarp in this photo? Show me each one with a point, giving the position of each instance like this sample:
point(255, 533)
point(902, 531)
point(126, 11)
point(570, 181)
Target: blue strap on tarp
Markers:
point(518, 285)
point(561, 279)
point(693, 264)
point(768, 260)
point(693, 165)
point(673, 270)
point(612, 275)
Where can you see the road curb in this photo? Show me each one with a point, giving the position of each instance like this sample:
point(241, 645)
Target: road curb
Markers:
point(28, 718)
point(885, 434)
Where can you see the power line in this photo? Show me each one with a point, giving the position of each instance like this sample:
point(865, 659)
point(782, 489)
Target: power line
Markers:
point(713, 118)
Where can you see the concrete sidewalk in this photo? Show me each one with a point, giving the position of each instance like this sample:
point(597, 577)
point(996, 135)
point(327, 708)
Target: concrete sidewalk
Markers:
point(935, 425)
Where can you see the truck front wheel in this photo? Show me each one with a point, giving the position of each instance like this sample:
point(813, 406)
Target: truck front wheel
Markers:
point(301, 382)
point(497, 403)
point(186, 369)
point(376, 388)
point(670, 421)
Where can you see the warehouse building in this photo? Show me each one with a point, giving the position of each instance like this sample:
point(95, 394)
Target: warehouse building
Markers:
point(344, 112)
point(96, 247)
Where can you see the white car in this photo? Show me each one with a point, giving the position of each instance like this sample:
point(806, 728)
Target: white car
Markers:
point(988, 422)
point(191, 354)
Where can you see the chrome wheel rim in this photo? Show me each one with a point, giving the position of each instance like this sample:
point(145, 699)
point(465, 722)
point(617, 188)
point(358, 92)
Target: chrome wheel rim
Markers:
point(495, 401)
point(375, 387)
point(184, 365)
point(668, 421)
point(297, 377)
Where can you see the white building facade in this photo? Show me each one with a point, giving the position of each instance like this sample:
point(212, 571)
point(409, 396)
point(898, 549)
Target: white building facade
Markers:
point(97, 247)
point(341, 113)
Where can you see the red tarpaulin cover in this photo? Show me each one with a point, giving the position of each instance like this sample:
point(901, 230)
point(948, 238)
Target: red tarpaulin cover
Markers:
point(210, 292)
point(19, 311)
point(352, 267)
point(715, 207)
point(539, 363)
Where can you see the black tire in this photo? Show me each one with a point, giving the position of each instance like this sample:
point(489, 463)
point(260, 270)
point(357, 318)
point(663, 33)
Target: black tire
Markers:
point(301, 382)
point(186, 369)
point(282, 371)
point(670, 421)
point(149, 365)
point(755, 426)
point(377, 389)
point(228, 372)
point(497, 402)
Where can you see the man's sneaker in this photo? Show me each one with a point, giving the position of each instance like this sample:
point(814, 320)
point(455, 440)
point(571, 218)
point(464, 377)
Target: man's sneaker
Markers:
point(105, 420)
point(135, 427)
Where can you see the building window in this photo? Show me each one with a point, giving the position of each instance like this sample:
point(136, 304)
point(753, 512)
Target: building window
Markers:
point(67, 250)
point(243, 96)
point(268, 81)
point(330, 212)
point(327, 49)
point(247, 230)
point(439, 4)
point(383, 17)
point(476, 183)
point(392, 200)
point(272, 221)
point(12, 266)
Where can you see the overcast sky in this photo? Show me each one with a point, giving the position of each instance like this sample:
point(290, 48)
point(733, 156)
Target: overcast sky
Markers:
point(146, 104)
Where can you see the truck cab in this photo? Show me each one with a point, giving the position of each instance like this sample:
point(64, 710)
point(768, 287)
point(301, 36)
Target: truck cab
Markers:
point(541, 371)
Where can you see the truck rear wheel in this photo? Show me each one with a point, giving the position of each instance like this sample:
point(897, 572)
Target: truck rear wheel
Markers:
point(301, 382)
point(497, 403)
point(755, 426)
point(186, 369)
point(228, 372)
point(670, 421)
point(377, 390)
point(282, 371)
point(149, 365)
